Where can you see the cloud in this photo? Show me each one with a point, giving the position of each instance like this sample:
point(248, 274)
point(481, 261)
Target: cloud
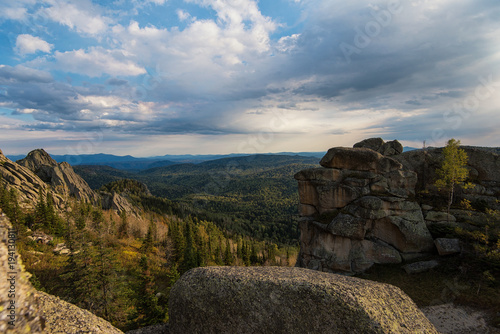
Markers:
point(230, 70)
point(15, 10)
point(27, 44)
point(82, 16)
point(97, 62)
point(22, 74)
point(182, 15)
point(157, 2)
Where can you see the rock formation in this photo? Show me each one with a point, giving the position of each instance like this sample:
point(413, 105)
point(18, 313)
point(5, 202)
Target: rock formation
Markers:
point(360, 207)
point(60, 176)
point(288, 300)
point(377, 144)
point(63, 317)
point(22, 179)
point(116, 202)
point(38, 171)
point(483, 172)
point(19, 311)
point(35, 311)
point(357, 210)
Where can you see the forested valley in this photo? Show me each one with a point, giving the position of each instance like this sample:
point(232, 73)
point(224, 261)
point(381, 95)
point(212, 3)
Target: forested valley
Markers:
point(120, 265)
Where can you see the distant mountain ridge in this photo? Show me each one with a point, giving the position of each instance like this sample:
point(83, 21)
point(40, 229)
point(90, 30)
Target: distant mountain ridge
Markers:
point(131, 163)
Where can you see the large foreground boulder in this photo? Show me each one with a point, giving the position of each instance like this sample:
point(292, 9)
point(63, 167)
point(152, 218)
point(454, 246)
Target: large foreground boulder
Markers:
point(288, 300)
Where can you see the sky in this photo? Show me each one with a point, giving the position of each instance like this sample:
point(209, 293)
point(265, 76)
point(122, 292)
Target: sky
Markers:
point(156, 77)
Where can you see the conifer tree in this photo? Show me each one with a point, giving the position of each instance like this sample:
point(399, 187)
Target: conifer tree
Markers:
point(40, 211)
point(228, 255)
point(254, 258)
point(190, 256)
point(123, 228)
point(147, 245)
point(148, 312)
point(178, 240)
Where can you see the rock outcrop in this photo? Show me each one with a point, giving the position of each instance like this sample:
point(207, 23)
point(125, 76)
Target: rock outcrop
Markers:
point(483, 172)
point(63, 317)
point(358, 210)
point(19, 311)
point(60, 176)
point(288, 300)
point(34, 311)
point(116, 202)
point(26, 183)
point(378, 145)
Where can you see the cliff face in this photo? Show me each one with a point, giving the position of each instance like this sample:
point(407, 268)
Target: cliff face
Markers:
point(61, 177)
point(357, 210)
point(27, 183)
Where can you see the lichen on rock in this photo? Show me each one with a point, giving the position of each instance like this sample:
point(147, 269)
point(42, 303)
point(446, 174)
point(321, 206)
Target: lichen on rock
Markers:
point(288, 300)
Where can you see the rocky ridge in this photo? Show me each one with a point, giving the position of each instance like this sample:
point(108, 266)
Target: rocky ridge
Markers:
point(27, 183)
point(60, 176)
point(38, 171)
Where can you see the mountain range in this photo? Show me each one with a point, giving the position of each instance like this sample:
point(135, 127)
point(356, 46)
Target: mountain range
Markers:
point(131, 163)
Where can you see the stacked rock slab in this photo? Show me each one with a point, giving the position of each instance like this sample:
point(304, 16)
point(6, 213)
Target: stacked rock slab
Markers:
point(358, 209)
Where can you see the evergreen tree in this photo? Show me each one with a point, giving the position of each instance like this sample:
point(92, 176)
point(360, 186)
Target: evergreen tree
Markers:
point(105, 273)
point(148, 312)
point(123, 228)
point(81, 277)
point(190, 254)
point(254, 258)
point(245, 253)
point(40, 211)
point(178, 240)
point(228, 254)
point(147, 245)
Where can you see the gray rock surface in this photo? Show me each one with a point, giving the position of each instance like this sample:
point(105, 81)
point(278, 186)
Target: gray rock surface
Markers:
point(483, 167)
point(18, 302)
point(288, 300)
point(358, 210)
point(60, 176)
point(24, 181)
point(447, 246)
point(420, 267)
point(379, 145)
point(63, 317)
point(361, 159)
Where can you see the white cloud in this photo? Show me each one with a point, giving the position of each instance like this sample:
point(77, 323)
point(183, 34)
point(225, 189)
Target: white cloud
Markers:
point(158, 2)
point(182, 15)
point(97, 62)
point(82, 15)
point(27, 44)
point(208, 55)
point(15, 10)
